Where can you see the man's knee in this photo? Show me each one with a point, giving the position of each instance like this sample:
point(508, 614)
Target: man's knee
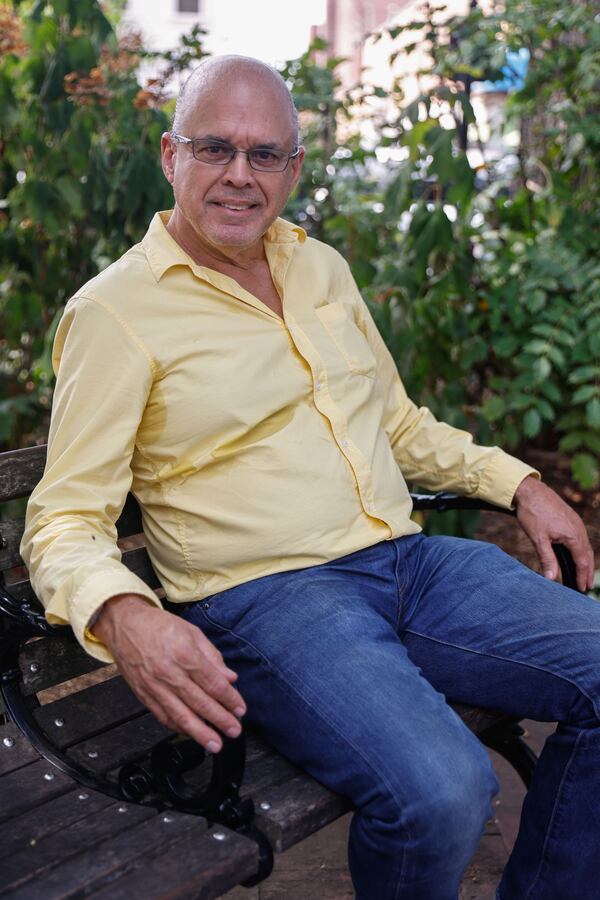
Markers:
point(458, 803)
point(445, 803)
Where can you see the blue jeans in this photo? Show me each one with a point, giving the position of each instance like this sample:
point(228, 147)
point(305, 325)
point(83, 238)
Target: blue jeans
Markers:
point(345, 668)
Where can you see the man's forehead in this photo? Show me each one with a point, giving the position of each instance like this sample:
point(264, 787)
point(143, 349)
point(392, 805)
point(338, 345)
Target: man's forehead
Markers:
point(243, 88)
point(238, 106)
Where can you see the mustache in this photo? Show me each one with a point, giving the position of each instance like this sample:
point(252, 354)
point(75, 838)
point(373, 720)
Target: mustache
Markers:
point(239, 198)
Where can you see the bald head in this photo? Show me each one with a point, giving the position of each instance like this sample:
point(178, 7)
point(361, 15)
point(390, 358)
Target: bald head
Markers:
point(214, 71)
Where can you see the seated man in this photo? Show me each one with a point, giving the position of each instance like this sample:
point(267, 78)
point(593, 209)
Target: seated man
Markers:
point(227, 371)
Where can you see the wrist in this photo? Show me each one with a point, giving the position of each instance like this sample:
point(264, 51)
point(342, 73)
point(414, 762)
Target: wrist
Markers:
point(525, 489)
point(114, 609)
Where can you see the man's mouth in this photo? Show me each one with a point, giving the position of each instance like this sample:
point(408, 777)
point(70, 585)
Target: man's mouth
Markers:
point(234, 207)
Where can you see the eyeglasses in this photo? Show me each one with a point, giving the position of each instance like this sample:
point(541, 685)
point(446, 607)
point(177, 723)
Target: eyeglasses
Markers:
point(218, 153)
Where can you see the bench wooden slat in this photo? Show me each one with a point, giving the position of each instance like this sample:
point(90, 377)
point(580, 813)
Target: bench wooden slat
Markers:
point(15, 749)
point(54, 660)
point(88, 712)
point(297, 809)
point(266, 771)
point(26, 788)
point(120, 745)
point(136, 560)
point(20, 471)
point(102, 863)
point(192, 868)
point(11, 532)
point(35, 862)
point(26, 830)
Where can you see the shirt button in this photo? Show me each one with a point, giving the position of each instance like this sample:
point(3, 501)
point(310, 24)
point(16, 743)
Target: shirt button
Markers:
point(317, 385)
point(344, 444)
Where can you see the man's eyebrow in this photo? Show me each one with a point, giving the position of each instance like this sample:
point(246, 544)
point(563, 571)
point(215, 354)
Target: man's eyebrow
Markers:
point(266, 145)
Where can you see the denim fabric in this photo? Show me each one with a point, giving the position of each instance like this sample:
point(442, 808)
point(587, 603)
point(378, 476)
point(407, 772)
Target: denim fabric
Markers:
point(345, 667)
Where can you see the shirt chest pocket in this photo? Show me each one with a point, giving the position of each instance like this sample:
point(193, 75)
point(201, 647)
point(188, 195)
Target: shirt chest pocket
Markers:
point(348, 339)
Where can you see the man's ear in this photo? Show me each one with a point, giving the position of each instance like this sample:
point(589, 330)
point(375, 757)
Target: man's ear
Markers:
point(167, 151)
point(296, 165)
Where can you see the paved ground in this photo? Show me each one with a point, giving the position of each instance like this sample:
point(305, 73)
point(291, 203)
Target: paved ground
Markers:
point(316, 868)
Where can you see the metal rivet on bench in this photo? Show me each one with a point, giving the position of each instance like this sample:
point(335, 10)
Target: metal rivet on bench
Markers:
point(34, 667)
point(9, 742)
point(264, 805)
point(93, 754)
point(167, 818)
point(82, 796)
point(49, 776)
point(220, 836)
point(122, 809)
point(59, 723)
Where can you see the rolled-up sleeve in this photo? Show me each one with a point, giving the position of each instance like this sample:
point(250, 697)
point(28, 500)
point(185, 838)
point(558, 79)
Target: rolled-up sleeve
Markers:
point(104, 375)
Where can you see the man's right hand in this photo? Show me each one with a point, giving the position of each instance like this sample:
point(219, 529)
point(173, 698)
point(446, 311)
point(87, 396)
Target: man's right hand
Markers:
point(172, 668)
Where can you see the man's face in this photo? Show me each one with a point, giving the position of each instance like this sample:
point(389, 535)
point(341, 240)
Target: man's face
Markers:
point(231, 206)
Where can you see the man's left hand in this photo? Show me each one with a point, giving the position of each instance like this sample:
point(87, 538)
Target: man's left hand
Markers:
point(547, 519)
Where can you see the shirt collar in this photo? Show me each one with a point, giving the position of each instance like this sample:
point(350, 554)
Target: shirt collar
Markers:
point(163, 252)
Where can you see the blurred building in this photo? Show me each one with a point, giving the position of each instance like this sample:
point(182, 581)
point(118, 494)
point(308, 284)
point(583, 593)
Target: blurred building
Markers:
point(350, 31)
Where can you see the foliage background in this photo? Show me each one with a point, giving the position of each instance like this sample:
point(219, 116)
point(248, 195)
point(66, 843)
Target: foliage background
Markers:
point(484, 282)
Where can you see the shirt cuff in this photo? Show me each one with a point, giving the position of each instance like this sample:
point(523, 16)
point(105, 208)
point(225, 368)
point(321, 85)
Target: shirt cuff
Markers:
point(501, 479)
point(89, 598)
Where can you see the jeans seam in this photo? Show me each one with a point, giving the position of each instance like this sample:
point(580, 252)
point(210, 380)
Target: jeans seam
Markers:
point(557, 801)
point(399, 587)
point(505, 659)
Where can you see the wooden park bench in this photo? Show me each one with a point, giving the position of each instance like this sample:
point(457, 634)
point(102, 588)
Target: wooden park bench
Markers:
point(98, 799)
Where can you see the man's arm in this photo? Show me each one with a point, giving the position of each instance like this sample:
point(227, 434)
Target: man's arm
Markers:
point(547, 519)
point(104, 379)
point(441, 457)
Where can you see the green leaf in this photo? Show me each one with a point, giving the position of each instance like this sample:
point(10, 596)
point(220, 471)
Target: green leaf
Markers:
point(585, 470)
point(506, 345)
point(584, 373)
point(537, 346)
point(545, 409)
point(493, 408)
point(536, 300)
point(541, 368)
point(571, 442)
point(532, 423)
point(592, 441)
point(592, 413)
point(583, 393)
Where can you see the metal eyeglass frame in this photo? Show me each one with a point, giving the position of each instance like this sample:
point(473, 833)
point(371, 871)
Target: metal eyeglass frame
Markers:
point(181, 139)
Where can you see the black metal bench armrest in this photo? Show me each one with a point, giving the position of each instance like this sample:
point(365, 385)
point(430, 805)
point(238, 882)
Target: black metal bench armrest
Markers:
point(445, 500)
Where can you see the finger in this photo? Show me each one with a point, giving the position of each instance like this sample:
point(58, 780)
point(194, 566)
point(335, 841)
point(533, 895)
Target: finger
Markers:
point(210, 710)
point(209, 650)
point(176, 715)
point(580, 551)
point(547, 559)
point(212, 682)
point(215, 682)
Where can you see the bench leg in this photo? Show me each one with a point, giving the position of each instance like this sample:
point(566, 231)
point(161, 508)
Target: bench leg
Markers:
point(506, 738)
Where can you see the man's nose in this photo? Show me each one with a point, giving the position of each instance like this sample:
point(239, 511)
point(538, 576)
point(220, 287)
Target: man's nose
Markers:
point(238, 171)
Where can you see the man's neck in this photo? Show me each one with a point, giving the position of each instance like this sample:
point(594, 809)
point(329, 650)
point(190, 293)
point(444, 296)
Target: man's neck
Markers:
point(222, 259)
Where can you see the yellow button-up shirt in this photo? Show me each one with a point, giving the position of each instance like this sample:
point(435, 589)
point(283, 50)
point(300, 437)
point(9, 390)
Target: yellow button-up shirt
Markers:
point(255, 444)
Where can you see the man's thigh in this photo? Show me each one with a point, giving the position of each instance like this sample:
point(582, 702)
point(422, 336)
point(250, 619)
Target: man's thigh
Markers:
point(325, 675)
point(488, 631)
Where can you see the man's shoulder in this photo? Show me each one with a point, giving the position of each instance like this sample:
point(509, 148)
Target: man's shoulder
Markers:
point(121, 282)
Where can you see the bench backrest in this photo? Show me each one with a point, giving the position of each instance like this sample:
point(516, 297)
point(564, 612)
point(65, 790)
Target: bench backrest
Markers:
point(46, 662)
